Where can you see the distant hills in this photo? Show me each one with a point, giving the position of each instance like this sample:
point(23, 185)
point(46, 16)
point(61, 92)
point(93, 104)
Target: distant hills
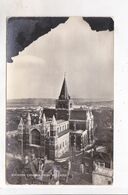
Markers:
point(34, 102)
point(31, 102)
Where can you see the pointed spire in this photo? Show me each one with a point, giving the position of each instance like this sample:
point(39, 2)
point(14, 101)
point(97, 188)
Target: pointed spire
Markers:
point(64, 91)
point(88, 115)
point(44, 119)
point(54, 122)
point(21, 124)
point(21, 121)
point(40, 114)
point(91, 115)
point(29, 119)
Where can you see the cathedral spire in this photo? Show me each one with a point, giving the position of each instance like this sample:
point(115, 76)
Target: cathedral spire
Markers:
point(21, 121)
point(21, 124)
point(64, 91)
point(88, 115)
point(40, 116)
point(54, 122)
point(44, 118)
point(29, 119)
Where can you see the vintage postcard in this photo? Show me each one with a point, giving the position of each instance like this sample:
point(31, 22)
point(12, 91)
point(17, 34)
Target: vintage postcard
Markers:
point(60, 95)
point(63, 97)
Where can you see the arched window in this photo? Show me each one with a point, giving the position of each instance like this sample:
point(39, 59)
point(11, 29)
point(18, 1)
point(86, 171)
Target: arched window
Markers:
point(35, 137)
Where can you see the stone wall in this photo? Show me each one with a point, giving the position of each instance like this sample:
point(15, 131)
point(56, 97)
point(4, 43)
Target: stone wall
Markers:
point(63, 145)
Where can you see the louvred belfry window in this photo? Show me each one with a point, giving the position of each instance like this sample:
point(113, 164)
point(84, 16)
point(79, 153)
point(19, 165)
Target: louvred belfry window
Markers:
point(35, 137)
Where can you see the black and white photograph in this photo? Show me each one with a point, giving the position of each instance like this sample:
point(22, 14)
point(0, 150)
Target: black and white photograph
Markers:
point(60, 100)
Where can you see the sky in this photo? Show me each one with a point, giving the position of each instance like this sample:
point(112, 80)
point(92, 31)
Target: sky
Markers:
point(85, 55)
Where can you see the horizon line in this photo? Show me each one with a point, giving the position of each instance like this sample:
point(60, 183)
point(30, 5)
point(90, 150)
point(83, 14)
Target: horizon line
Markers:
point(100, 99)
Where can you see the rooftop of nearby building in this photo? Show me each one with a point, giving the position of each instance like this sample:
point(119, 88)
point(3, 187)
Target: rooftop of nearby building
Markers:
point(63, 132)
point(78, 131)
point(61, 121)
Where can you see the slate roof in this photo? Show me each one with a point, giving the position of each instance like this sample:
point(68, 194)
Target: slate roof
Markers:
point(78, 115)
point(63, 132)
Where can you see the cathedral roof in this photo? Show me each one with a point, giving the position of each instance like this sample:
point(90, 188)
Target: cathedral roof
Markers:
point(64, 91)
point(78, 115)
point(63, 132)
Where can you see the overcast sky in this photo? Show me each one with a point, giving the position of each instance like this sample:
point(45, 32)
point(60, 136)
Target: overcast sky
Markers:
point(85, 55)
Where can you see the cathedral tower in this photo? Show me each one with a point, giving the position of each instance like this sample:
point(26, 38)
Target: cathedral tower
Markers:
point(21, 128)
point(44, 124)
point(53, 138)
point(63, 103)
point(43, 135)
point(90, 125)
point(40, 116)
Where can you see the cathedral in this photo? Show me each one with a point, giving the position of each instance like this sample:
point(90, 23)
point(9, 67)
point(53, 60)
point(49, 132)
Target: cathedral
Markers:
point(57, 130)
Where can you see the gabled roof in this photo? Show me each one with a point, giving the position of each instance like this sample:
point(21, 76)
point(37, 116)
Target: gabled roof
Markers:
point(64, 91)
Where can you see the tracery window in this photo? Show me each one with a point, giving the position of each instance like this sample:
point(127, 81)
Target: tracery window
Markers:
point(35, 137)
